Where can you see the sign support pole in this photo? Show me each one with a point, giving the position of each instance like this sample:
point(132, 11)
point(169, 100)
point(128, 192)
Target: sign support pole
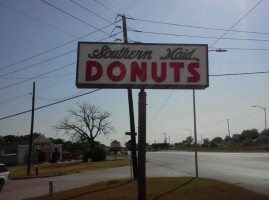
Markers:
point(131, 110)
point(142, 146)
point(195, 135)
point(31, 134)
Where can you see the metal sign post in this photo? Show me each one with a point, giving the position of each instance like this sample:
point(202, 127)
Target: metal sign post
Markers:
point(195, 135)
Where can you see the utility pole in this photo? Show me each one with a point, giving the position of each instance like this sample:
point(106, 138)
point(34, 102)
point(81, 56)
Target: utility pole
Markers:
point(228, 128)
point(141, 176)
point(32, 129)
point(131, 109)
point(141, 181)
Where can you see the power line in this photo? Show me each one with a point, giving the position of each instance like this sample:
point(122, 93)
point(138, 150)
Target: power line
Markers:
point(68, 74)
point(46, 72)
point(239, 74)
point(157, 113)
point(236, 23)
point(198, 36)
point(54, 48)
point(240, 62)
point(36, 19)
point(37, 76)
point(106, 7)
point(100, 89)
point(242, 49)
point(197, 27)
point(49, 104)
point(59, 99)
point(74, 17)
point(90, 11)
point(41, 89)
point(33, 65)
point(113, 11)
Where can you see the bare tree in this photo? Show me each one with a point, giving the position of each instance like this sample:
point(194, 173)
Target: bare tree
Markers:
point(86, 123)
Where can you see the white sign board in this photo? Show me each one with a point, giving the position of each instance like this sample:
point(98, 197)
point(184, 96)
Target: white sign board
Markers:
point(142, 66)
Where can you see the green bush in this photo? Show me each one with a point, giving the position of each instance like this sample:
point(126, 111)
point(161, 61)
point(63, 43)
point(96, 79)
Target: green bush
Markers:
point(97, 154)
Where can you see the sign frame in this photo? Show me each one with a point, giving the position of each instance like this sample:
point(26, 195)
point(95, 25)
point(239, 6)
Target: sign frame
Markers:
point(142, 85)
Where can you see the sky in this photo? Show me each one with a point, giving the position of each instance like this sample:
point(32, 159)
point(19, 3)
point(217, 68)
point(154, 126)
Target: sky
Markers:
point(38, 43)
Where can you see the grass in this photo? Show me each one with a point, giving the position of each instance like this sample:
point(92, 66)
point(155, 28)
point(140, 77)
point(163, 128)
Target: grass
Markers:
point(119, 156)
point(184, 188)
point(18, 172)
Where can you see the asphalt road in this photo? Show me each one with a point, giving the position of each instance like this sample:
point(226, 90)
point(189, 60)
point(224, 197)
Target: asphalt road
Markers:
point(249, 170)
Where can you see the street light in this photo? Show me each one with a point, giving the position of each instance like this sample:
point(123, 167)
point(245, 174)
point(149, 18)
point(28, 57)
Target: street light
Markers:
point(264, 109)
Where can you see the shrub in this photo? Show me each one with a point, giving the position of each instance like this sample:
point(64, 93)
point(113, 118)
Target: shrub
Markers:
point(41, 156)
point(55, 156)
point(96, 154)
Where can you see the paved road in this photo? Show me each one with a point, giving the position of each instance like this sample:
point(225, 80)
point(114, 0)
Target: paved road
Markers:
point(250, 170)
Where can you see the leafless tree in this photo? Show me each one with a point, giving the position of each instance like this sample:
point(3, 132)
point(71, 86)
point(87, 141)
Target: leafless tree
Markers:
point(86, 123)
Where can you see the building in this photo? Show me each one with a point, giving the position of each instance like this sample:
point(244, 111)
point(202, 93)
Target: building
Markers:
point(42, 151)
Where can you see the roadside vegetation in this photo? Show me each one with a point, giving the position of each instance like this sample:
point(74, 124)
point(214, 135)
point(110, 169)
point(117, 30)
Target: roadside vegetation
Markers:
point(55, 169)
point(247, 141)
point(159, 188)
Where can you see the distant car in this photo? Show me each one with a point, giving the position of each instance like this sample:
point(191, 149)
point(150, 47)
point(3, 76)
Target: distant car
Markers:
point(4, 176)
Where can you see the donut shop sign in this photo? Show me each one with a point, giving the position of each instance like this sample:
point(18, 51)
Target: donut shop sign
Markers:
point(142, 66)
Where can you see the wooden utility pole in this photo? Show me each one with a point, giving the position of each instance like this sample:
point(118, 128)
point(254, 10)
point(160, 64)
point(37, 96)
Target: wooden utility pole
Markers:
point(131, 109)
point(32, 129)
point(141, 183)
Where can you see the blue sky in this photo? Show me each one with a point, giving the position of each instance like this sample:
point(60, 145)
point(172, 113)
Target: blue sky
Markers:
point(31, 30)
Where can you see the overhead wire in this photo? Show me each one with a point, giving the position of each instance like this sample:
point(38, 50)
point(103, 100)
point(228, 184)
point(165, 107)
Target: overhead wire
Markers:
point(235, 24)
point(36, 19)
point(106, 7)
point(24, 78)
point(48, 99)
point(8, 86)
point(83, 95)
point(59, 9)
point(241, 49)
point(118, 14)
point(198, 27)
point(48, 105)
point(157, 113)
point(198, 36)
point(40, 75)
point(54, 48)
point(83, 7)
point(242, 73)
point(41, 89)
point(35, 64)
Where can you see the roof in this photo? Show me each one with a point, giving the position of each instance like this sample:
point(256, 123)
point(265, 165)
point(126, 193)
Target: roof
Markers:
point(41, 140)
point(263, 137)
point(46, 150)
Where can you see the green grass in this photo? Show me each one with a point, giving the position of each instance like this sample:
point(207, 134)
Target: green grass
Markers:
point(119, 156)
point(18, 172)
point(185, 188)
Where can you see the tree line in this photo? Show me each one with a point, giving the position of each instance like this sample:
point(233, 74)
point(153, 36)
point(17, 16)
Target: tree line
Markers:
point(248, 138)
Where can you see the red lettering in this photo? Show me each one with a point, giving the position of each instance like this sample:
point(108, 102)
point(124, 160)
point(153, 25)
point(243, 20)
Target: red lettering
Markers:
point(141, 73)
point(89, 67)
point(176, 66)
point(196, 75)
point(110, 69)
point(154, 75)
